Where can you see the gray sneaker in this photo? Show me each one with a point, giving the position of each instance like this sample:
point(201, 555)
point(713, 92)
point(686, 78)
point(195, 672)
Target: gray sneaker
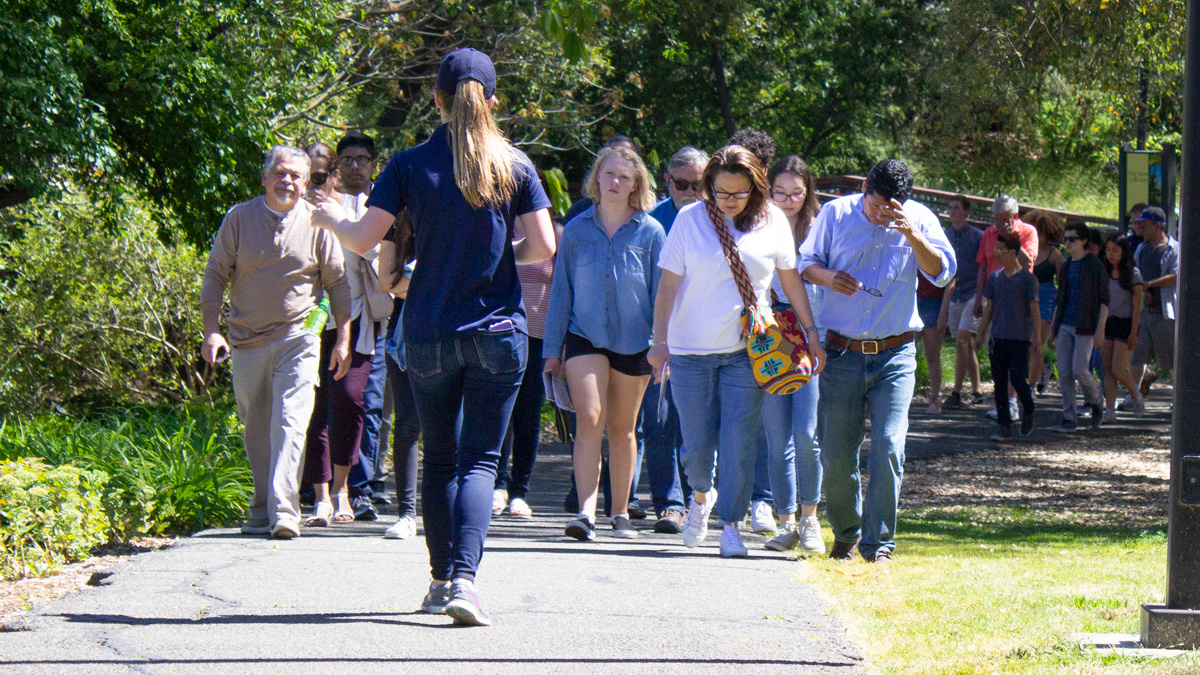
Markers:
point(810, 535)
point(785, 539)
point(622, 528)
point(436, 599)
point(464, 606)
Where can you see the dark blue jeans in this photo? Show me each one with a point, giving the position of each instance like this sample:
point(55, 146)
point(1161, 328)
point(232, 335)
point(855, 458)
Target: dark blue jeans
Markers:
point(481, 375)
point(367, 476)
point(405, 431)
point(524, 430)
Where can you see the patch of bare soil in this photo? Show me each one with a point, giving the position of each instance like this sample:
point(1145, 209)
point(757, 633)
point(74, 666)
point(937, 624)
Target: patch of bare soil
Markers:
point(21, 595)
point(1122, 479)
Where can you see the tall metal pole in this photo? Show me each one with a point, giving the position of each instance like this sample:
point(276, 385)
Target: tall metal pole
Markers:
point(1177, 623)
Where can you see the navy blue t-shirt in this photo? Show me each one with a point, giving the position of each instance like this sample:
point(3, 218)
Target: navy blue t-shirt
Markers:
point(465, 280)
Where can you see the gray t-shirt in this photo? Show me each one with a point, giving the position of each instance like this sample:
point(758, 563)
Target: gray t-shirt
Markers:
point(966, 248)
point(1120, 301)
point(1010, 296)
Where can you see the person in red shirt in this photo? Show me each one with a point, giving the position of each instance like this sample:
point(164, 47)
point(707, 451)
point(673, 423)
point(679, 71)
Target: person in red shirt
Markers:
point(1005, 220)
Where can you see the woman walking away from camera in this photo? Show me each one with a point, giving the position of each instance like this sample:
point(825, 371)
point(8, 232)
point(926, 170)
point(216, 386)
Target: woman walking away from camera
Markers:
point(598, 327)
point(790, 420)
point(464, 327)
point(1125, 294)
point(699, 338)
point(1045, 268)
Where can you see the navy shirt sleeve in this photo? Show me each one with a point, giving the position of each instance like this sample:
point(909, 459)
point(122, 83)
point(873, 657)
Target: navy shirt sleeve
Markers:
point(530, 196)
point(388, 191)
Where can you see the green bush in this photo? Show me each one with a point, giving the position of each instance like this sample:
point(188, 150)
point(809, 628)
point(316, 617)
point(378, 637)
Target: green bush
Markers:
point(172, 469)
point(48, 516)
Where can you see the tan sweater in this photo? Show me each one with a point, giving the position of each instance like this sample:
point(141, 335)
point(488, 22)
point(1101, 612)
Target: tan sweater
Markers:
point(277, 269)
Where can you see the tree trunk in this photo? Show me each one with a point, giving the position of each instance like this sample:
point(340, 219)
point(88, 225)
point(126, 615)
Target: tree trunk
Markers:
point(718, 71)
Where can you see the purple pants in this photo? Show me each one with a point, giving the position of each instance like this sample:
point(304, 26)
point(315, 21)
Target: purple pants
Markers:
point(336, 426)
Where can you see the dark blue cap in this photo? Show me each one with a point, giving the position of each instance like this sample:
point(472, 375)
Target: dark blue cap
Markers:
point(466, 64)
point(1154, 214)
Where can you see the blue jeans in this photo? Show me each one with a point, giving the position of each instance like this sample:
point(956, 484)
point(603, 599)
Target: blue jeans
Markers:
point(405, 431)
point(852, 386)
point(793, 456)
point(481, 375)
point(762, 471)
point(367, 476)
point(719, 404)
point(660, 445)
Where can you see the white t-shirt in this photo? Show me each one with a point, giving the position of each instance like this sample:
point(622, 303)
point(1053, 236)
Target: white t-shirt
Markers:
point(707, 316)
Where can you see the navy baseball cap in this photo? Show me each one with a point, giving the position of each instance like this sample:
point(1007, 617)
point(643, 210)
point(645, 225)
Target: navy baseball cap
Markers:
point(1153, 213)
point(467, 64)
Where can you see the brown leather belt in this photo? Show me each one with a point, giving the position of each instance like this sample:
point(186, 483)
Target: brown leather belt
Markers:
point(869, 346)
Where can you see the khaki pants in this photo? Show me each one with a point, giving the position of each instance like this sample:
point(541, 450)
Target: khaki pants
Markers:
point(274, 385)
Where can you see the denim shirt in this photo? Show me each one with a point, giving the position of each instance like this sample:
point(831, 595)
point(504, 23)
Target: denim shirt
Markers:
point(603, 287)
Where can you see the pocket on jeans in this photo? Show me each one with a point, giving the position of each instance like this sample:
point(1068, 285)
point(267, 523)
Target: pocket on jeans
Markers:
point(502, 352)
point(424, 360)
point(832, 353)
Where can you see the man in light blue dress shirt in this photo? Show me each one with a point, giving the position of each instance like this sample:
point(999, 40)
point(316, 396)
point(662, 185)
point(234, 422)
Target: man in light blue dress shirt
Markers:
point(869, 248)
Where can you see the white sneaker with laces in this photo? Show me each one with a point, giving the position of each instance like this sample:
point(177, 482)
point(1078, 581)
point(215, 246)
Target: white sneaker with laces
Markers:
point(810, 535)
point(404, 528)
point(695, 524)
point(731, 542)
point(762, 519)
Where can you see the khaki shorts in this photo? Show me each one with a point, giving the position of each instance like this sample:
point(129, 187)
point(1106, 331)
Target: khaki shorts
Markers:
point(961, 316)
point(1156, 337)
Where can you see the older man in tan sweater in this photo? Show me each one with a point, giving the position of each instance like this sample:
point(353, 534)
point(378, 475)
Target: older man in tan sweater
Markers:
point(277, 267)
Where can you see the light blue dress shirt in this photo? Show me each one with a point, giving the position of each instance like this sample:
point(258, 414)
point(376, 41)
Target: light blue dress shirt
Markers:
point(842, 238)
point(603, 287)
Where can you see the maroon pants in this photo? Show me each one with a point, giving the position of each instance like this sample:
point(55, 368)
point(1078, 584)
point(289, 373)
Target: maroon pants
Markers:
point(336, 426)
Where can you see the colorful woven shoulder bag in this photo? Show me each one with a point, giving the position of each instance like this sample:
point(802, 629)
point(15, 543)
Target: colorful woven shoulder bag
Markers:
point(775, 341)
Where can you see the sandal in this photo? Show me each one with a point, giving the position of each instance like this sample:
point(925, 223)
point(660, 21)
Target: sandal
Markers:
point(343, 514)
point(518, 509)
point(322, 514)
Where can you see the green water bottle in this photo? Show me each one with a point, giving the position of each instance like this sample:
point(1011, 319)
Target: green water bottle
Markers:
point(317, 316)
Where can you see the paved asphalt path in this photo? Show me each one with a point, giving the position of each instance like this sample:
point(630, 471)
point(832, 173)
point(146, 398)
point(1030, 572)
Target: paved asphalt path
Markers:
point(343, 599)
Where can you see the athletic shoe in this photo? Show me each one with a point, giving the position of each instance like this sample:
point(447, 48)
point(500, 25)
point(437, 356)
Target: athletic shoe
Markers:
point(1127, 404)
point(1014, 411)
point(1148, 379)
point(731, 542)
point(1027, 423)
point(880, 556)
point(581, 528)
point(256, 527)
point(622, 528)
point(402, 529)
point(1139, 407)
point(1097, 415)
point(464, 606)
point(1064, 427)
point(954, 401)
point(499, 501)
point(762, 519)
point(810, 535)
point(1042, 381)
point(1110, 417)
point(695, 526)
point(786, 539)
point(670, 522)
point(285, 529)
point(364, 509)
point(1003, 435)
point(436, 599)
point(635, 511)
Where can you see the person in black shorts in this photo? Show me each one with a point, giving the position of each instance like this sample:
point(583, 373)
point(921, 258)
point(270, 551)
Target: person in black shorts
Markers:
point(598, 327)
point(1125, 291)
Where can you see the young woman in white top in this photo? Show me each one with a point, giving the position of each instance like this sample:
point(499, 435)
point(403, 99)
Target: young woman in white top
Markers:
point(699, 338)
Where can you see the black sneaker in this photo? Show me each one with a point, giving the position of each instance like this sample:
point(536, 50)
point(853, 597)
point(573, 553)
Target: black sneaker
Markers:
point(636, 512)
point(571, 502)
point(622, 528)
point(1097, 415)
point(364, 509)
point(1004, 435)
point(954, 402)
point(1064, 427)
point(1026, 422)
point(581, 528)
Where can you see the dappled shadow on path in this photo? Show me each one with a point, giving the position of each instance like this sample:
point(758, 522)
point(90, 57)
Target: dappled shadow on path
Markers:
point(434, 660)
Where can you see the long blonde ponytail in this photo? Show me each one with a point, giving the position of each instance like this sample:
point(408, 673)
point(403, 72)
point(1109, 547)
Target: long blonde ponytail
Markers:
point(483, 158)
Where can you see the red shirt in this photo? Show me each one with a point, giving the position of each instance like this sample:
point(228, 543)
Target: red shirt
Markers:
point(987, 246)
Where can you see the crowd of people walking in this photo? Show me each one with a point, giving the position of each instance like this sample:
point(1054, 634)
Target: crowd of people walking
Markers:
point(443, 291)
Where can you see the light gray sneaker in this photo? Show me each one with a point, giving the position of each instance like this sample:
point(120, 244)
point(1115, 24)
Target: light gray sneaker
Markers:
point(810, 535)
point(786, 538)
point(436, 599)
point(403, 528)
point(622, 528)
point(464, 606)
point(695, 525)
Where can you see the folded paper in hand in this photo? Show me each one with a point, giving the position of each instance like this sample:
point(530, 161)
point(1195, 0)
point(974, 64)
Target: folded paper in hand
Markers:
point(557, 392)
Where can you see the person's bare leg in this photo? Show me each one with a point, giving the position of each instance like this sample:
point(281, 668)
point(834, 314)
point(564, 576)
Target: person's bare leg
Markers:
point(962, 349)
point(932, 339)
point(624, 400)
point(1107, 349)
point(587, 378)
point(973, 367)
point(1120, 368)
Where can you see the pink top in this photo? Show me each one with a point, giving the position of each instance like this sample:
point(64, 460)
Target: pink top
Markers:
point(535, 293)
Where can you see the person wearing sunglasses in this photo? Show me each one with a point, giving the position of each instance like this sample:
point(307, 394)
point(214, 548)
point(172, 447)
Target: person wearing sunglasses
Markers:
point(323, 179)
point(1080, 312)
point(878, 240)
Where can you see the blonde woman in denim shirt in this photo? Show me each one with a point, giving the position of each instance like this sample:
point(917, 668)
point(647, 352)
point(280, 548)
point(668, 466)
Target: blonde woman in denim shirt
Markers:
point(598, 327)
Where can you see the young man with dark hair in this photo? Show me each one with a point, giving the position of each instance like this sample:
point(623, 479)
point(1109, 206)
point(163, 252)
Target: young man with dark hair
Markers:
point(759, 143)
point(960, 315)
point(1158, 261)
point(1011, 299)
point(1079, 316)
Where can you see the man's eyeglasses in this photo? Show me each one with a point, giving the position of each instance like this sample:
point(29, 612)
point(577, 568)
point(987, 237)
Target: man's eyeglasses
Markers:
point(785, 197)
point(731, 195)
point(684, 185)
point(318, 179)
point(356, 161)
point(1071, 238)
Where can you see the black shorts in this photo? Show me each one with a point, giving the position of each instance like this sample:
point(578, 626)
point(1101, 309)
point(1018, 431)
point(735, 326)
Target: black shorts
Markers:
point(633, 365)
point(1118, 328)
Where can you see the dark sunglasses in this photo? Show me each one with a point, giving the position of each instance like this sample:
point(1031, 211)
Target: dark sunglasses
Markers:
point(318, 179)
point(1071, 238)
point(683, 185)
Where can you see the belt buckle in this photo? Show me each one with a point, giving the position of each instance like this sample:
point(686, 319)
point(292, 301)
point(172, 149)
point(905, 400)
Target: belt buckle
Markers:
point(870, 347)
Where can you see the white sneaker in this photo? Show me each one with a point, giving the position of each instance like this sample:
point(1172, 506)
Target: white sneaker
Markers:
point(499, 501)
point(402, 529)
point(1014, 409)
point(762, 519)
point(993, 414)
point(1139, 406)
point(810, 535)
point(731, 542)
point(695, 524)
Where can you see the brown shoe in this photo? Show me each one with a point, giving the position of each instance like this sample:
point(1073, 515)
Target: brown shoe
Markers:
point(1150, 378)
point(880, 556)
point(670, 522)
point(843, 550)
